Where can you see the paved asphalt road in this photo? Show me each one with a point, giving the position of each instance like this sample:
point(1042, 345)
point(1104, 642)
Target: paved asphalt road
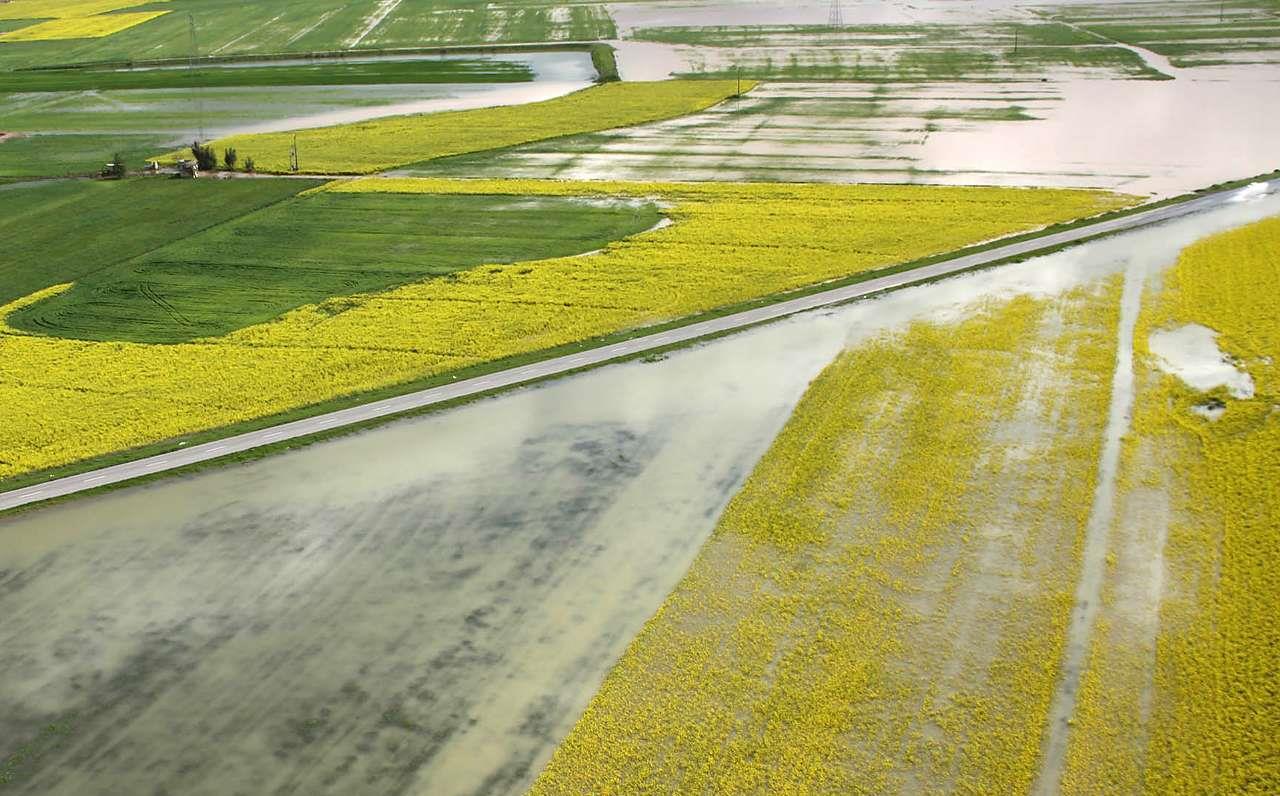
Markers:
point(552, 367)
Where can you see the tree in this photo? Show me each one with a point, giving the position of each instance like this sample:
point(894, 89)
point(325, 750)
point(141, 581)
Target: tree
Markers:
point(248, 164)
point(229, 157)
point(115, 169)
point(205, 157)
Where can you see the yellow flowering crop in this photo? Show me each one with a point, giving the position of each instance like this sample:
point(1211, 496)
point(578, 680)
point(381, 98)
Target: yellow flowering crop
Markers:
point(80, 27)
point(64, 9)
point(382, 144)
point(883, 607)
point(1182, 693)
point(65, 400)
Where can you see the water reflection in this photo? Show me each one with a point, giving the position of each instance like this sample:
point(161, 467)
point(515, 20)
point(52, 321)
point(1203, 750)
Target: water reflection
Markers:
point(426, 606)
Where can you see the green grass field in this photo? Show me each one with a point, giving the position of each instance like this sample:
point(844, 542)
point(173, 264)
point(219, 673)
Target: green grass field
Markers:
point(61, 231)
point(231, 27)
point(299, 252)
point(329, 73)
point(68, 155)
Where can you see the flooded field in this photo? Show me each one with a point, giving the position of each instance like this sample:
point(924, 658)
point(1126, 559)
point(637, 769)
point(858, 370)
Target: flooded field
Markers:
point(183, 114)
point(939, 92)
point(369, 614)
point(363, 616)
point(1137, 136)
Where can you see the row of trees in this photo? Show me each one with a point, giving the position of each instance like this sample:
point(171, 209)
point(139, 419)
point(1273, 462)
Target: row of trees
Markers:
point(207, 159)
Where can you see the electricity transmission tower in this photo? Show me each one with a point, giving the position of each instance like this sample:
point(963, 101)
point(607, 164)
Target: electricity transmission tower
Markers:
point(191, 67)
point(835, 17)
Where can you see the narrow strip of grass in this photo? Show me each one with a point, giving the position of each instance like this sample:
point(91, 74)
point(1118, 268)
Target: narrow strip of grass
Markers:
point(601, 57)
point(460, 70)
point(507, 363)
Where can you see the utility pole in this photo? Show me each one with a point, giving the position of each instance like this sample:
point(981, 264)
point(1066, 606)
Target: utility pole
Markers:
point(293, 154)
point(738, 93)
point(1015, 39)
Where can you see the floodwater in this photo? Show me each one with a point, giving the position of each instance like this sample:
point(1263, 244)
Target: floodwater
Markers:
point(680, 13)
point(1159, 138)
point(430, 99)
point(1156, 137)
point(223, 111)
point(553, 65)
point(427, 606)
point(1191, 353)
point(1088, 127)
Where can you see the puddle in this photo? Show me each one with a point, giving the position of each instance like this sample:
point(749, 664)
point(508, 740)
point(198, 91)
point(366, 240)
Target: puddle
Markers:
point(1210, 411)
point(1191, 353)
point(1251, 192)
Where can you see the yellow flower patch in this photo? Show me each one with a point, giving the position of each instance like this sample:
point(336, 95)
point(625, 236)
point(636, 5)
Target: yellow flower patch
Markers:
point(64, 9)
point(883, 606)
point(1182, 693)
point(64, 400)
point(382, 144)
point(80, 27)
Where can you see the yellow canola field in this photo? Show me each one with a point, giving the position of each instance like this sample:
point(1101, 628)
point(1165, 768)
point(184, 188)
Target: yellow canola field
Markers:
point(80, 27)
point(65, 400)
point(64, 9)
point(400, 140)
point(1182, 692)
point(883, 606)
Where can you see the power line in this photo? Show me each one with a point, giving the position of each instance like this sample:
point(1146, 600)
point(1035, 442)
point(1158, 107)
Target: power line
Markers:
point(835, 16)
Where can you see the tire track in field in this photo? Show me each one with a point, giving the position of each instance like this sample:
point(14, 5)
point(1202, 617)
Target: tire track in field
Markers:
point(384, 10)
point(1093, 558)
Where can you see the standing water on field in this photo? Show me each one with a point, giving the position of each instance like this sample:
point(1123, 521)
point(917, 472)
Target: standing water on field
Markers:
point(427, 606)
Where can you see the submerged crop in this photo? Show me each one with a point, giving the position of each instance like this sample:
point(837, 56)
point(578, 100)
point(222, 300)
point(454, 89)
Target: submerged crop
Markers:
point(1182, 693)
point(883, 605)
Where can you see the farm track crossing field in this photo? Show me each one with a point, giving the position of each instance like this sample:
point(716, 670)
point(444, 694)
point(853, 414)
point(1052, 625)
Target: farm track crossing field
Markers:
point(1180, 694)
point(728, 244)
point(322, 246)
point(61, 231)
point(881, 608)
point(386, 143)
